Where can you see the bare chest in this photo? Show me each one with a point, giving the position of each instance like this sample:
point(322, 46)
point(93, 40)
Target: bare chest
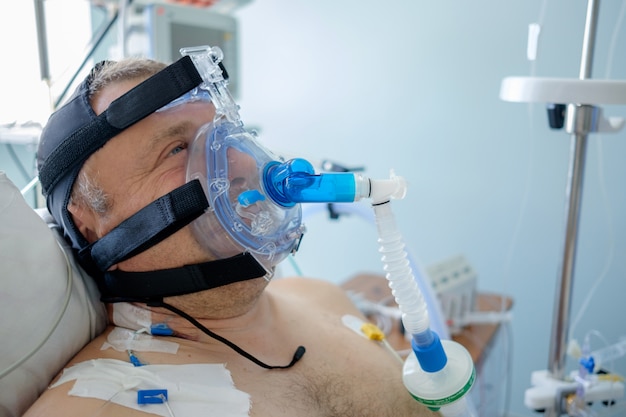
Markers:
point(341, 374)
point(337, 377)
point(330, 389)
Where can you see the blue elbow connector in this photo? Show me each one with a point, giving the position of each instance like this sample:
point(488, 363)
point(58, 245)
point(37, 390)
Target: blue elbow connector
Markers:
point(431, 357)
point(295, 181)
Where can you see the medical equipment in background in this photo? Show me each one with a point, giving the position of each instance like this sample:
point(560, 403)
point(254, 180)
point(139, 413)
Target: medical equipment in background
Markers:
point(573, 104)
point(454, 280)
point(20, 133)
point(159, 29)
point(16, 137)
point(440, 372)
point(152, 28)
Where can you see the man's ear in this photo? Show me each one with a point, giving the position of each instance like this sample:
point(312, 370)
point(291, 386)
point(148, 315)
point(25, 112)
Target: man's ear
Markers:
point(85, 220)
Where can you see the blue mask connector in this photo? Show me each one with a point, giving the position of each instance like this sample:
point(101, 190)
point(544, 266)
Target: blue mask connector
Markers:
point(295, 181)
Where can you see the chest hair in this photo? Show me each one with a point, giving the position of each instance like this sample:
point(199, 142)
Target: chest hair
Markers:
point(331, 394)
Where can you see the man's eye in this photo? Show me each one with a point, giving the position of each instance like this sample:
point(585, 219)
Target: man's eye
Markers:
point(178, 149)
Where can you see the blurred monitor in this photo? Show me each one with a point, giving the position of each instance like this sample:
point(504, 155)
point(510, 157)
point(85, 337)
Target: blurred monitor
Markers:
point(169, 27)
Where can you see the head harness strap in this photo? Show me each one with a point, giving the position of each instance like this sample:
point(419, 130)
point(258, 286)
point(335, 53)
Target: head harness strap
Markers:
point(145, 286)
point(150, 225)
point(147, 97)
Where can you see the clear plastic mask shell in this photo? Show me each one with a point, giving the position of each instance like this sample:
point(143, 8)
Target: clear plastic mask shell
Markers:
point(230, 163)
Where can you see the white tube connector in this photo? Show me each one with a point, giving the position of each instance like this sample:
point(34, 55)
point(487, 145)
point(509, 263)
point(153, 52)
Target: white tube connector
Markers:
point(380, 191)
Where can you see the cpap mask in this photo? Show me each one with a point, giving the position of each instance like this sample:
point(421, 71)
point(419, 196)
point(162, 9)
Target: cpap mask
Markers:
point(230, 165)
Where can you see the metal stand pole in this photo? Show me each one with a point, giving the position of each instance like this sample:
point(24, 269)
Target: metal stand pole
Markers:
point(580, 120)
point(42, 40)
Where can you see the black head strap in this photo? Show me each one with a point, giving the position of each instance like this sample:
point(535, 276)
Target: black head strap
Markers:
point(147, 227)
point(154, 285)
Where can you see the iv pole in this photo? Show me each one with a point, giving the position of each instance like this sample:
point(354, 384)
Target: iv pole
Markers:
point(582, 116)
point(579, 120)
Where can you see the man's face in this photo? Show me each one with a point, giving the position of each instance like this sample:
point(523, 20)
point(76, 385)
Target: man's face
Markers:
point(141, 164)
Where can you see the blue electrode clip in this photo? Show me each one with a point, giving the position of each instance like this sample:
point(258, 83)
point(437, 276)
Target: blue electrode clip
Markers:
point(151, 396)
point(161, 329)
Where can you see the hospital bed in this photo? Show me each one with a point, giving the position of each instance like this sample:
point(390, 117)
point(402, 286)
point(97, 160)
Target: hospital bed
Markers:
point(49, 308)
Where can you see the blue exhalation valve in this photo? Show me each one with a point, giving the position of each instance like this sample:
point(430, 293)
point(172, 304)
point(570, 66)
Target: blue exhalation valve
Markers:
point(295, 181)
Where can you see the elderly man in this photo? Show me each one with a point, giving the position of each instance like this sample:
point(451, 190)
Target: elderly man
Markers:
point(183, 292)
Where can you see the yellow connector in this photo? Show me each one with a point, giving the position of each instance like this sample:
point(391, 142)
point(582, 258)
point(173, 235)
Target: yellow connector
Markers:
point(372, 332)
point(369, 331)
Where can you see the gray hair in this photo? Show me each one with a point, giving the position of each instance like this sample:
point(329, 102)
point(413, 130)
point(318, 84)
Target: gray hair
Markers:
point(131, 68)
point(86, 192)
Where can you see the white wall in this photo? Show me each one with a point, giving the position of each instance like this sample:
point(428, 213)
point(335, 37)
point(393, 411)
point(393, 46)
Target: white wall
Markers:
point(414, 86)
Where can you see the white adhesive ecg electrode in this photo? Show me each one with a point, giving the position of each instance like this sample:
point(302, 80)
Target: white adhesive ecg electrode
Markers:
point(193, 389)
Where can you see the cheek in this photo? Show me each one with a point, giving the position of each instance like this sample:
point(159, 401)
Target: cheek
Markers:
point(132, 198)
point(170, 180)
point(176, 251)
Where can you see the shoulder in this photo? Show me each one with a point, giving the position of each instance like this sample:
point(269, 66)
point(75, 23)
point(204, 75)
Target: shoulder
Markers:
point(309, 286)
point(57, 401)
point(324, 294)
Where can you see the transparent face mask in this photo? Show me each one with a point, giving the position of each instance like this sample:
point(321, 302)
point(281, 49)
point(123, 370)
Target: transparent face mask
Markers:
point(198, 94)
point(230, 164)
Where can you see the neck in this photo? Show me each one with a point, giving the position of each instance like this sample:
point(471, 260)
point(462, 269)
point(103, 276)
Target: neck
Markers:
point(242, 324)
point(234, 307)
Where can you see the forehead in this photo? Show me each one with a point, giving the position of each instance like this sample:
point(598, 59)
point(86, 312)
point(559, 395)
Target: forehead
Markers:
point(103, 98)
point(142, 139)
point(185, 114)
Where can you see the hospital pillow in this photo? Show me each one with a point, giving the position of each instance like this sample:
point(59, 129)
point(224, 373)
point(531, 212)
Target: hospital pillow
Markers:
point(48, 305)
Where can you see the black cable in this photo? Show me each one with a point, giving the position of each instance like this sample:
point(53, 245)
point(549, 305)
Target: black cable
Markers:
point(296, 356)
